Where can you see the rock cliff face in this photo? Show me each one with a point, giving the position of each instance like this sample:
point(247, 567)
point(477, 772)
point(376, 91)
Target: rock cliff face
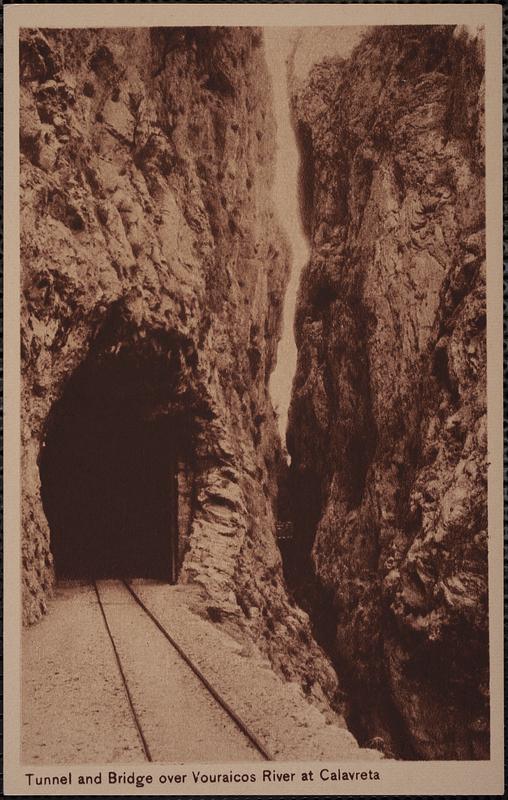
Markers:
point(388, 419)
point(150, 250)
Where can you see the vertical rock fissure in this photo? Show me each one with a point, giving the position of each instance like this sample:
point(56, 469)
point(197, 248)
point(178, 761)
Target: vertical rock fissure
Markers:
point(280, 44)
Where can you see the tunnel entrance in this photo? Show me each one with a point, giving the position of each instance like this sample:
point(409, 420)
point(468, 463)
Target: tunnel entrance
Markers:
point(108, 473)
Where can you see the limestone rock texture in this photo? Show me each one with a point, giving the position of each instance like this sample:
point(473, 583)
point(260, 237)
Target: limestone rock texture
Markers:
point(148, 237)
point(387, 428)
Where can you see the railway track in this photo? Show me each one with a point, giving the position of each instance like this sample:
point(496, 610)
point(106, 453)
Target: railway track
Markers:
point(178, 713)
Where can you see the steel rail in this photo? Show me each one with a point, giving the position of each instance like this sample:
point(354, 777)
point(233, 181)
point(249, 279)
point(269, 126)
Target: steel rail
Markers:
point(206, 683)
point(137, 723)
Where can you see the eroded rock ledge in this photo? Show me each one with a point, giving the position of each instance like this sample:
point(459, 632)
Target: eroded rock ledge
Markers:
point(149, 239)
point(388, 419)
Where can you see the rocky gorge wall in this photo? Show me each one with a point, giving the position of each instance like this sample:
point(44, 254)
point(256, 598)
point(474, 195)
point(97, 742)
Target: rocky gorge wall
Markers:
point(387, 426)
point(148, 238)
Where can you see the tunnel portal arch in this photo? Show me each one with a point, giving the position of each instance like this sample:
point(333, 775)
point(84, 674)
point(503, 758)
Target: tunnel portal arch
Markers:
point(109, 464)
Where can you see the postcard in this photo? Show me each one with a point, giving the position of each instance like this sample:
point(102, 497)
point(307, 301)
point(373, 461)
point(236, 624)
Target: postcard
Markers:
point(253, 399)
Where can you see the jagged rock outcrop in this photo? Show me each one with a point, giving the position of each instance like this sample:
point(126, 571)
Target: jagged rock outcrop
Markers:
point(388, 419)
point(148, 238)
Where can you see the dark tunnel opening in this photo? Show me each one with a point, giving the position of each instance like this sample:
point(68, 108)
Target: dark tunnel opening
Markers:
point(108, 472)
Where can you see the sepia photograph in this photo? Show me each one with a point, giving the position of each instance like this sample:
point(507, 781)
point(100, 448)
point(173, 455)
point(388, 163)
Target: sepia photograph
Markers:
point(255, 439)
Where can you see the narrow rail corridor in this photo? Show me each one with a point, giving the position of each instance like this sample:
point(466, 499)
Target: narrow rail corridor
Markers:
point(134, 672)
point(117, 690)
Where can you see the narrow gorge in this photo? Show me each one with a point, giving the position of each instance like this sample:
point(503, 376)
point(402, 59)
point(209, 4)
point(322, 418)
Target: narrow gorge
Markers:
point(224, 230)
